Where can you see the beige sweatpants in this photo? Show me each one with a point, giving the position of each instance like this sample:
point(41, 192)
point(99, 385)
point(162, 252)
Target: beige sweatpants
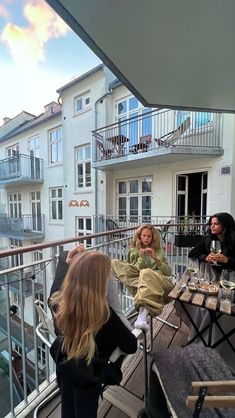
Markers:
point(148, 287)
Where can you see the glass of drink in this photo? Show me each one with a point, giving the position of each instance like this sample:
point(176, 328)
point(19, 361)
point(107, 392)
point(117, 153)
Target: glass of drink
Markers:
point(215, 248)
point(193, 267)
point(227, 281)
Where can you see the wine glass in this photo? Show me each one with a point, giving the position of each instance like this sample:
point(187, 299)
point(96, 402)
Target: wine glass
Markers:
point(227, 281)
point(215, 248)
point(193, 267)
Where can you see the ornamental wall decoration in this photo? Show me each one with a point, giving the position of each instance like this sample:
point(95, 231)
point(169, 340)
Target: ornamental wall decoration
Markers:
point(76, 204)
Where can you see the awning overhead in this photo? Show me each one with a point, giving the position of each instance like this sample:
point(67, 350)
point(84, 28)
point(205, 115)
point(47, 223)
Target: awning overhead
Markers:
point(174, 54)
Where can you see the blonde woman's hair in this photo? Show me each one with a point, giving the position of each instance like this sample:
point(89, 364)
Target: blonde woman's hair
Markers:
point(82, 304)
point(156, 239)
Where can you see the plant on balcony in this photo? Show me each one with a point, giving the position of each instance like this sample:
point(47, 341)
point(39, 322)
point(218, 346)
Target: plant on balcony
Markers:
point(188, 232)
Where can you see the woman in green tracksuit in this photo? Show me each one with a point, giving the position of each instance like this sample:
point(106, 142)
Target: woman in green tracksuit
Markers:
point(146, 274)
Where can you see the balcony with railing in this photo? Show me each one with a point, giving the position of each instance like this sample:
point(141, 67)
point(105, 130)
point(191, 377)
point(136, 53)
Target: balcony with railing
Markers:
point(28, 374)
point(21, 169)
point(164, 134)
point(26, 227)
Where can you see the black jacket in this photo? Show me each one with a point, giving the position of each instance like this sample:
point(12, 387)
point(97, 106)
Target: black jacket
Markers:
point(202, 250)
point(61, 270)
point(80, 384)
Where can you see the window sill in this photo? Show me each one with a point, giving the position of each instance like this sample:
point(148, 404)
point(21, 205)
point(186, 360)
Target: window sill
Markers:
point(56, 222)
point(83, 190)
point(51, 165)
point(81, 112)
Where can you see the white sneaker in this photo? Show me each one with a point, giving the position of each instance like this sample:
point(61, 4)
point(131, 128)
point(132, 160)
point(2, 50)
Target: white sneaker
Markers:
point(141, 325)
point(141, 321)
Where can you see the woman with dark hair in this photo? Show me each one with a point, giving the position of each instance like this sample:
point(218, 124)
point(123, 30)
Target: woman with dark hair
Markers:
point(221, 227)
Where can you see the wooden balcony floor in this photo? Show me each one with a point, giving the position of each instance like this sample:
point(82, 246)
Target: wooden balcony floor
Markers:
point(133, 376)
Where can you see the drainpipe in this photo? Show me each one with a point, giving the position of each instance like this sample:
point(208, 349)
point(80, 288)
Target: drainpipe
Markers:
point(108, 93)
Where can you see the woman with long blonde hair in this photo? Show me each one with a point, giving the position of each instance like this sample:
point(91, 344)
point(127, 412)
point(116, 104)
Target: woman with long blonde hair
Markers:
point(146, 273)
point(90, 331)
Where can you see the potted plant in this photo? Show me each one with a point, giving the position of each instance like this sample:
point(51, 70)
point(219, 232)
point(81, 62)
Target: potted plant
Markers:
point(189, 232)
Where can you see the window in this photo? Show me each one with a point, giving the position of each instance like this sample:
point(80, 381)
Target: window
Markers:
point(56, 204)
point(134, 199)
point(82, 102)
point(16, 259)
point(14, 149)
point(14, 298)
point(55, 146)
point(14, 205)
point(84, 227)
point(83, 166)
point(41, 354)
point(33, 146)
point(39, 297)
point(18, 349)
point(198, 120)
point(138, 127)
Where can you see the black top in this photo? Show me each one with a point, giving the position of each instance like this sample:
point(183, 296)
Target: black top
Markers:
point(80, 384)
point(202, 250)
point(61, 270)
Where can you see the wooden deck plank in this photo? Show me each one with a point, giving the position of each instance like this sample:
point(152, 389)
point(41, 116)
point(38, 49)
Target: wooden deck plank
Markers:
point(211, 303)
point(124, 400)
point(198, 299)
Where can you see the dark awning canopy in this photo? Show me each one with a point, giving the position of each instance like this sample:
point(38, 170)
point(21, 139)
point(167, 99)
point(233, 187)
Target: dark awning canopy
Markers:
point(174, 54)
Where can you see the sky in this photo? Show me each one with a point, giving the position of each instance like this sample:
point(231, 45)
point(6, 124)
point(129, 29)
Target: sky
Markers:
point(39, 53)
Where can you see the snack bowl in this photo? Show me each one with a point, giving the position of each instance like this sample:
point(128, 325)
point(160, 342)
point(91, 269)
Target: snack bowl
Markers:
point(208, 288)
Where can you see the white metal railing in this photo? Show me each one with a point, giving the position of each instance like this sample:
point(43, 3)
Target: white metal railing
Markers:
point(19, 167)
point(25, 365)
point(154, 129)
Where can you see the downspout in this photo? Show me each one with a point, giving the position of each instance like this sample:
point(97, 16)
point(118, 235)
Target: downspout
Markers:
point(96, 181)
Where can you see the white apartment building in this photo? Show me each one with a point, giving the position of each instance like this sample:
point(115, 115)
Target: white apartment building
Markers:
point(159, 163)
point(100, 154)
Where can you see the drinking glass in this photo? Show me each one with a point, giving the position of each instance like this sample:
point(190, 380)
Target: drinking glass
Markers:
point(227, 281)
point(215, 248)
point(193, 267)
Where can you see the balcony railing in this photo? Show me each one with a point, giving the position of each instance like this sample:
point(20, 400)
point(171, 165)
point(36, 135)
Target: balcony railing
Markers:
point(21, 169)
point(158, 130)
point(24, 228)
point(27, 371)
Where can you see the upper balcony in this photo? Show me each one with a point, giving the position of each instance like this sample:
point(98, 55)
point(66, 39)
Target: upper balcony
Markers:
point(163, 134)
point(26, 227)
point(20, 169)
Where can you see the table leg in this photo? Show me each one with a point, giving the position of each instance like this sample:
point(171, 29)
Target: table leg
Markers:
point(199, 333)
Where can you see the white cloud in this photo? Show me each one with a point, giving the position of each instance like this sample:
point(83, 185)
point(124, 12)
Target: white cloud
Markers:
point(26, 44)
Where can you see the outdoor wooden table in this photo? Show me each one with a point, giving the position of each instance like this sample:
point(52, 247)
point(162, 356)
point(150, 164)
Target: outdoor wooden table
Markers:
point(215, 308)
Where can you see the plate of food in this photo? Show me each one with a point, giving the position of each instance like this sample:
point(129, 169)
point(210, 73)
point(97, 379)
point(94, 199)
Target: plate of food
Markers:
point(208, 288)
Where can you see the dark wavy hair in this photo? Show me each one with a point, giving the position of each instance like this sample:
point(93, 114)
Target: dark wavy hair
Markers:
point(228, 224)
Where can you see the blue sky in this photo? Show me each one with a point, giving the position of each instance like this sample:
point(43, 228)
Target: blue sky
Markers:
point(38, 54)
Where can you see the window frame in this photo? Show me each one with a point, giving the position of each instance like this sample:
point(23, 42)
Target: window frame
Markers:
point(84, 106)
point(84, 162)
point(84, 231)
point(127, 196)
point(57, 142)
point(142, 123)
point(56, 199)
point(12, 150)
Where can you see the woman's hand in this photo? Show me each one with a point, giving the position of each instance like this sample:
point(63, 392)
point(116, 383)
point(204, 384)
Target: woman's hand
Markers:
point(216, 258)
point(71, 254)
point(149, 251)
